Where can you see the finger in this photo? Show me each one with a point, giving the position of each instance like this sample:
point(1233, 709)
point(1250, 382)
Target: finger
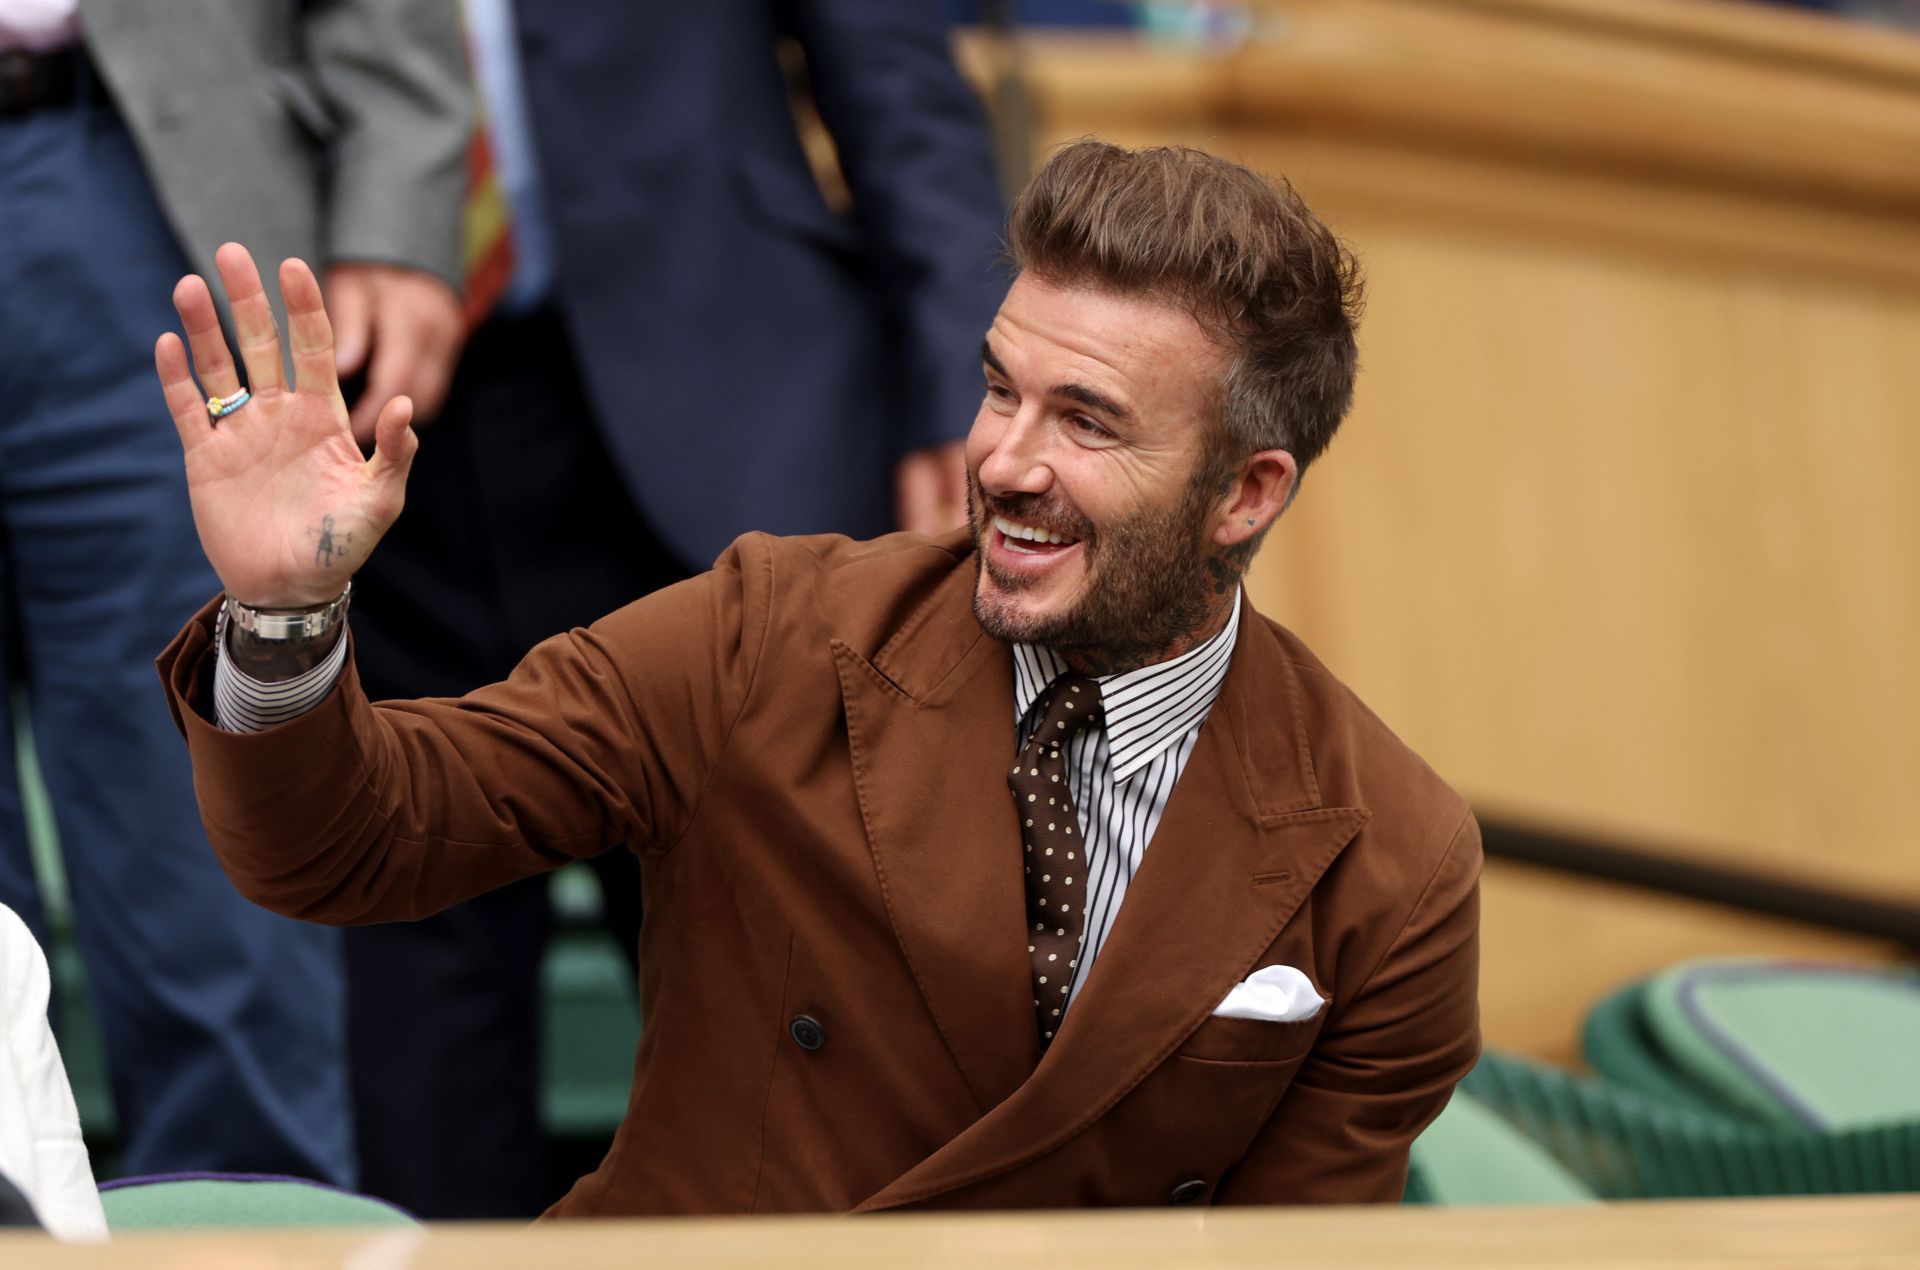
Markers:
point(395, 444)
point(309, 332)
point(211, 360)
point(259, 339)
point(184, 402)
point(396, 348)
point(432, 374)
point(350, 300)
point(916, 496)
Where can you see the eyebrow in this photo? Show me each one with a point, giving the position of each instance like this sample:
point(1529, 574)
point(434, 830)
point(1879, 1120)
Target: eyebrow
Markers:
point(1078, 392)
point(1097, 400)
point(992, 362)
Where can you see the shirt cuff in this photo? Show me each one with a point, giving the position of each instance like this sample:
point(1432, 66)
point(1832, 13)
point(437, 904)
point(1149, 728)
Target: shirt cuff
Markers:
point(242, 703)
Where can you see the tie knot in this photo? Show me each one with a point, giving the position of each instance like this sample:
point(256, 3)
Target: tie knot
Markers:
point(1070, 704)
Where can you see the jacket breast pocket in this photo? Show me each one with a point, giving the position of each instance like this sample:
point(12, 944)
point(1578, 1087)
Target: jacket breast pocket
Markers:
point(1203, 1107)
point(1228, 1040)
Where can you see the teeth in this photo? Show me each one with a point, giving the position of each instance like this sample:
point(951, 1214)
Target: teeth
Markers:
point(1014, 529)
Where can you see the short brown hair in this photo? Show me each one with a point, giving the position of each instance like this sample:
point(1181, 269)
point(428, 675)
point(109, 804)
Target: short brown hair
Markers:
point(1245, 255)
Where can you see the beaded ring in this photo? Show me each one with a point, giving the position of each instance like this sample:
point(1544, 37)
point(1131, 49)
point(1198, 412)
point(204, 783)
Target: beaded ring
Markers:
point(221, 407)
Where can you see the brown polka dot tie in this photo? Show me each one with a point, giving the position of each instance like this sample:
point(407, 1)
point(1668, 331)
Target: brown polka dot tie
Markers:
point(1055, 856)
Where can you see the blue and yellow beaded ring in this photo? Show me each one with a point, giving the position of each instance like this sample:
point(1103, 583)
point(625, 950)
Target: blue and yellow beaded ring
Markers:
point(221, 407)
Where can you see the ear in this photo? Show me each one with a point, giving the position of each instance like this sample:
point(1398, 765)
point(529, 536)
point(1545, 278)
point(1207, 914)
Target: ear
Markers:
point(1256, 495)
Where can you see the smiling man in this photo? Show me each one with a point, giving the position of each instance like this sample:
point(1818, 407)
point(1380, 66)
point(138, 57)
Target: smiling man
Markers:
point(1094, 470)
point(1027, 867)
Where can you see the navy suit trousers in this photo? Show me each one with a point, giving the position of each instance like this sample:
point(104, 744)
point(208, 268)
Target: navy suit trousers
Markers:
point(224, 1025)
point(516, 527)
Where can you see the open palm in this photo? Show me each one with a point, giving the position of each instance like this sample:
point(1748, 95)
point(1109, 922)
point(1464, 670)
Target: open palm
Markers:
point(286, 506)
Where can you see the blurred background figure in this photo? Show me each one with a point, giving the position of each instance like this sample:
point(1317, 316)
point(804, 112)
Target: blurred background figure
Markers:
point(134, 139)
point(688, 341)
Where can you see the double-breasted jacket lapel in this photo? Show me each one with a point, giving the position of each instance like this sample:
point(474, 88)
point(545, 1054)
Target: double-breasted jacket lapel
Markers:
point(930, 726)
point(1243, 841)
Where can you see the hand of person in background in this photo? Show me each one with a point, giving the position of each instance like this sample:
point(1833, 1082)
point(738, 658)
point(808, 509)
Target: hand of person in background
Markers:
point(403, 327)
point(285, 504)
point(930, 488)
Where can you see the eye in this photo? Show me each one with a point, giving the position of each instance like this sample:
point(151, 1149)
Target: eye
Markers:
point(1088, 426)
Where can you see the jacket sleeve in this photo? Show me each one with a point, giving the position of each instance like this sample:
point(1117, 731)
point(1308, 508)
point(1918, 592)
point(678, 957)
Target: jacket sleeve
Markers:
point(355, 812)
point(1387, 1067)
point(914, 149)
point(395, 81)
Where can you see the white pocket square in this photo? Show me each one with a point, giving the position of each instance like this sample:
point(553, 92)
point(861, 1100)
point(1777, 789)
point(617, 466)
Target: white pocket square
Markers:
point(1276, 994)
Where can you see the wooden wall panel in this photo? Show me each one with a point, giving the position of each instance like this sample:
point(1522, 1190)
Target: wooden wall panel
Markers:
point(1628, 546)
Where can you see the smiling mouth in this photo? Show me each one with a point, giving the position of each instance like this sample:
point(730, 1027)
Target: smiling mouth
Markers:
point(1031, 540)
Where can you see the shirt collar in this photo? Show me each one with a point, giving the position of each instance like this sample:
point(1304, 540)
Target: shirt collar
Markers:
point(1147, 709)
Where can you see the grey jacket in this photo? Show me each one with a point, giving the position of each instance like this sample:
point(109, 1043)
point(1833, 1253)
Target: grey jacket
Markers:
point(331, 130)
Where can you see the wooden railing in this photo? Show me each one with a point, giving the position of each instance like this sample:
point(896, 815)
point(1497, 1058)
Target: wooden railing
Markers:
point(1809, 1233)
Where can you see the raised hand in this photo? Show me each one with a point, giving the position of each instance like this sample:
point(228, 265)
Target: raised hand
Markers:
point(286, 506)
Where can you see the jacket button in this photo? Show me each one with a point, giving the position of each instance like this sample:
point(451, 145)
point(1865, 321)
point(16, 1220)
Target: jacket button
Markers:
point(807, 1032)
point(1191, 1191)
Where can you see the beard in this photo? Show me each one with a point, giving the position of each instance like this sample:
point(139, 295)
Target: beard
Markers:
point(1147, 586)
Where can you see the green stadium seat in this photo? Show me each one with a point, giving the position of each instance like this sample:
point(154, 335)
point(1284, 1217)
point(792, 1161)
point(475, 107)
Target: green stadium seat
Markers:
point(1624, 1144)
point(1616, 1043)
point(1813, 1046)
point(592, 1026)
point(1470, 1156)
point(228, 1201)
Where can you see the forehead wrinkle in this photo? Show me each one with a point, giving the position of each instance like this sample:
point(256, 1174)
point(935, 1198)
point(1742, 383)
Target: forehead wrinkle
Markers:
point(1090, 397)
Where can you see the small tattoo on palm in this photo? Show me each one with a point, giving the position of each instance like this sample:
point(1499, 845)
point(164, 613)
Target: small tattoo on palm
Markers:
point(330, 549)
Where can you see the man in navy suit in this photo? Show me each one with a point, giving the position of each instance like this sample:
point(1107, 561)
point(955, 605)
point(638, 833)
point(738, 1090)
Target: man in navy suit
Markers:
point(694, 344)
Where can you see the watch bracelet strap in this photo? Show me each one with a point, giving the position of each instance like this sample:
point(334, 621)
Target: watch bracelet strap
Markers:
point(303, 624)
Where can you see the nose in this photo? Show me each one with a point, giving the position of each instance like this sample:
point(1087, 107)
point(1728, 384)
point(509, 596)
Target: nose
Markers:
point(1014, 461)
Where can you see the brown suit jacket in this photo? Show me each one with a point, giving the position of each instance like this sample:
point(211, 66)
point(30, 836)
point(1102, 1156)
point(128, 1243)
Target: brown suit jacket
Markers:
point(808, 748)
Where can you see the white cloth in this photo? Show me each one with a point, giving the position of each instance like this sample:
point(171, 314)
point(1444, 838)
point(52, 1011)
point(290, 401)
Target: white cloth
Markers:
point(40, 1148)
point(39, 25)
point(1273, 994)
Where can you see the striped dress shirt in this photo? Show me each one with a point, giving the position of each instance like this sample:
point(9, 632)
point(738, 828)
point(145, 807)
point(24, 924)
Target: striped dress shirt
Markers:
point(1123, 772)
point(242, 703)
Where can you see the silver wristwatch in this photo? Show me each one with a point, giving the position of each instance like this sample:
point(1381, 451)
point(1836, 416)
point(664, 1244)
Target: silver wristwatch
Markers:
point(289, 624)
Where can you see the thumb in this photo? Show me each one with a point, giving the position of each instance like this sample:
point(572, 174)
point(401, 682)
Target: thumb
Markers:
point(350, 306)
point(395, 443)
